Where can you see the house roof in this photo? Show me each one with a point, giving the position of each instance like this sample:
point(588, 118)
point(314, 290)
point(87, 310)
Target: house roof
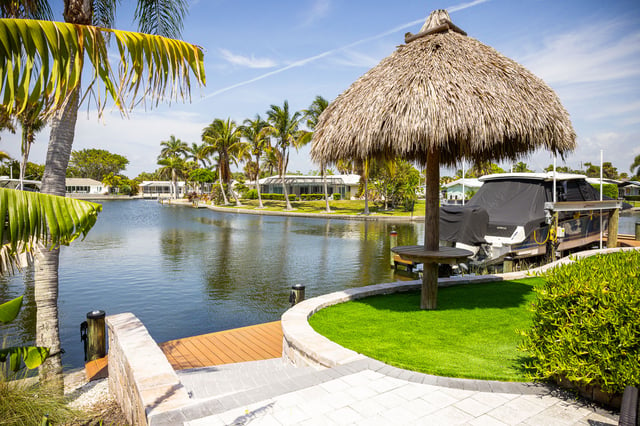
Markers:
point(349, 180)
point(472, 183)
point(82, 182)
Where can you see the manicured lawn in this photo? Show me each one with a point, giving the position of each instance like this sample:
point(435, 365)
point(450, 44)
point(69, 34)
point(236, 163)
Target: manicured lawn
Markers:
point(472, 334)
point(348, 207)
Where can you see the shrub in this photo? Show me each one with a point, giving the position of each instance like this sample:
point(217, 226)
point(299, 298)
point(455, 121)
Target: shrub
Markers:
point(292, 197)
point(311, 197)
point(585, 325)
point(269, 196)
point(632, 197)
point(336, 196)
point(608, 190)
point(251, 194)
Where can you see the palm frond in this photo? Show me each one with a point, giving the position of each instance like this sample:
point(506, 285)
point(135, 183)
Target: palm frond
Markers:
point(161, 17)
point(44, 60)
point(29, 218)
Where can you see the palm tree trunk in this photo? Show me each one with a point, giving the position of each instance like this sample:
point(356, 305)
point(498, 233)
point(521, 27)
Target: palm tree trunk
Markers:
point(326, 193)
point(25, 156)
point(224, 195)
point(283, 171)
point(260, 206)
point(46, 282)
point(233, 194)
point(174, 183)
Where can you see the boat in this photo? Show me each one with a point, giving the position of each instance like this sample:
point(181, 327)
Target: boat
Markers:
point(517, 215)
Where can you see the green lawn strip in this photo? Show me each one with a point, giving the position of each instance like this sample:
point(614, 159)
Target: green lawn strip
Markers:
point(473, 333)
point(339, 207)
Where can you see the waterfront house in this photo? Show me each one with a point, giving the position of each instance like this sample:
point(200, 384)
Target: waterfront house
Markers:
point(455, 189)
point(629, 188)
point(84, 186)
point(345, 185)
point(159, 189)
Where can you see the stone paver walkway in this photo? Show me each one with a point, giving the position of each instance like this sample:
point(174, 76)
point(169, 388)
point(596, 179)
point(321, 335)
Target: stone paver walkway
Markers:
point(357, 394)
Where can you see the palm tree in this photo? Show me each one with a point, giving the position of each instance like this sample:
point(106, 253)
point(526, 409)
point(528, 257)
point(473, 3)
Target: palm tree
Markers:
point(31, 121)
point(635, 166)
point(173, 167)
point(284, 127)
point(198, 154)
point(252, 130)
point(173, 147)
point(166, 75)
point(223, 137)
point(312, 114)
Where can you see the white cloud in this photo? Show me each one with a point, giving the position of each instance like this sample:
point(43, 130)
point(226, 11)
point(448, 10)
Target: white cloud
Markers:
point(247, 61)
point(352, 58)
point(318, 10)
point(591, 53)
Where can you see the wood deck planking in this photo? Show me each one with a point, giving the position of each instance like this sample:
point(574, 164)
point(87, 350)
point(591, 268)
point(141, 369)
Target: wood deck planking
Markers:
point(258, 342)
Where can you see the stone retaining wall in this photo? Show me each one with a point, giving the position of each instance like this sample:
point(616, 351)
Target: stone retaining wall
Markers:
point(140, 376)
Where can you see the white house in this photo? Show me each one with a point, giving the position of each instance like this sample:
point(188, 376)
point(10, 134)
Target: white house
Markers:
point(455, 189)
point(159, 189)
point(345, 185)
point(85, 186)
point(629, 188)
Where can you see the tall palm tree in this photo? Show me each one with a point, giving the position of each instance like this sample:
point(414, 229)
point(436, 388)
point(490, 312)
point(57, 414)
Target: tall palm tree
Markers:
point(223, 137)
point(635, 166)
point(312, 114)
point(173, 167)
point(31, 121)
point(283, 126)
point(168, 64)
point(173, 147)
point(198, 154)
point(252, 130)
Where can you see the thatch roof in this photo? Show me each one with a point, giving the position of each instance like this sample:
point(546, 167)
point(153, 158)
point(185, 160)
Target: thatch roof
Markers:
point(446, 90)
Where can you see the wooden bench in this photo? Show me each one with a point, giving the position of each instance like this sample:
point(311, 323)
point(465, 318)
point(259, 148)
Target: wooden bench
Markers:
point(407, 264)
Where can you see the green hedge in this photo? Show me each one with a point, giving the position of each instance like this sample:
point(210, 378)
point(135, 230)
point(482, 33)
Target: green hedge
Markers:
point(311, 197)
point(608, 189)
point(337, 196)
point(586, 325)
point(251, 194)
point(277, 197)
point(632, 197)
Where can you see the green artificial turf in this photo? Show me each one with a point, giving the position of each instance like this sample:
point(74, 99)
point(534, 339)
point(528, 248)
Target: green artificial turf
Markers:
point(473, 333)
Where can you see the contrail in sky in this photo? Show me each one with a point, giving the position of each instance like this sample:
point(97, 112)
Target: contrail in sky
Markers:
point(305, 61)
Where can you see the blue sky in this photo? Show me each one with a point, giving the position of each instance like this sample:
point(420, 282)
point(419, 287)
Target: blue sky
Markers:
point(260, 53)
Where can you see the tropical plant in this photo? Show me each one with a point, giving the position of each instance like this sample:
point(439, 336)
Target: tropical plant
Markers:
point(45, 60)
point(31, 121)
point(312, 115)
point(521, 167)
point(252, 130)
point(19, 356)
point(172, 168)
point(283, 126)
point(96, 164)
point(635, 166)
point(198, 154)
point(223, 138)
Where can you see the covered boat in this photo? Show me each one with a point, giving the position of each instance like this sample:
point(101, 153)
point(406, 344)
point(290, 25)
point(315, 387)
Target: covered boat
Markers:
point(510, 215)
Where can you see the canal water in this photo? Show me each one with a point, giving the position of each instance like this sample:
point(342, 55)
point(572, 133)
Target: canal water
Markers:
point(186, 271)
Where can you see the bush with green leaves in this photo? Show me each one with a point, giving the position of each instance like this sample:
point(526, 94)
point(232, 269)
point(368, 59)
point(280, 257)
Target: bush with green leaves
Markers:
point(337, 196)
point(251, 194)
point(586, 326)
point(311, 197)
point(608, 190)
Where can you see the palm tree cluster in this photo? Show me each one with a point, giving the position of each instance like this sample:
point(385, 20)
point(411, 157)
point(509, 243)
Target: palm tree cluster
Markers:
point(260, 143)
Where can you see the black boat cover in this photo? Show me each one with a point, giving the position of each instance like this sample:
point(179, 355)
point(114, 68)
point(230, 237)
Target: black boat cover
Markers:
point(507, 204)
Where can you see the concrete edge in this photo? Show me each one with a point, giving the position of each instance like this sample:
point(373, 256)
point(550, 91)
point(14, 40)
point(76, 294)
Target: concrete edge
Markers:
point(303, 346)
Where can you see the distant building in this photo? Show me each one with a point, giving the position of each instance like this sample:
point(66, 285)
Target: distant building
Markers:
point(84, 186)
point(629, 188)
point(159, 189)
point(455, 189)
point(345, 185)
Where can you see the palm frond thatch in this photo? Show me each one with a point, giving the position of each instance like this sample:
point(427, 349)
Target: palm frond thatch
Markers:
point(448, 91)
point(29, 218)
point(44, 60)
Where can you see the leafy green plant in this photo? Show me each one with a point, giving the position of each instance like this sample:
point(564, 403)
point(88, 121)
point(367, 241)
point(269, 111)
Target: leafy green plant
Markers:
point(585, 326)
point(336, 196)
point(251, 194)
point(31, 356)
point(608, 190)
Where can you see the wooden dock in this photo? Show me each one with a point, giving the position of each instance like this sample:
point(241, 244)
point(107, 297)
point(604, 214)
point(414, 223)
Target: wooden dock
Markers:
point(253, 343)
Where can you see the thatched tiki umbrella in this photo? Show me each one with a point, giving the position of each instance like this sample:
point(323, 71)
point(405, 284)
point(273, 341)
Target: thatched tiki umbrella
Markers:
point(440, 98)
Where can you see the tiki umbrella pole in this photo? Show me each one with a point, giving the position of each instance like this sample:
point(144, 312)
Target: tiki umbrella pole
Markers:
point(429, 296)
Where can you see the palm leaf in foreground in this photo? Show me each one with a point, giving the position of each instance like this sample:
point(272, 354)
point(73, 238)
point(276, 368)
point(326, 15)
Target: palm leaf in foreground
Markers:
point(43, 60)
point(30, 218)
